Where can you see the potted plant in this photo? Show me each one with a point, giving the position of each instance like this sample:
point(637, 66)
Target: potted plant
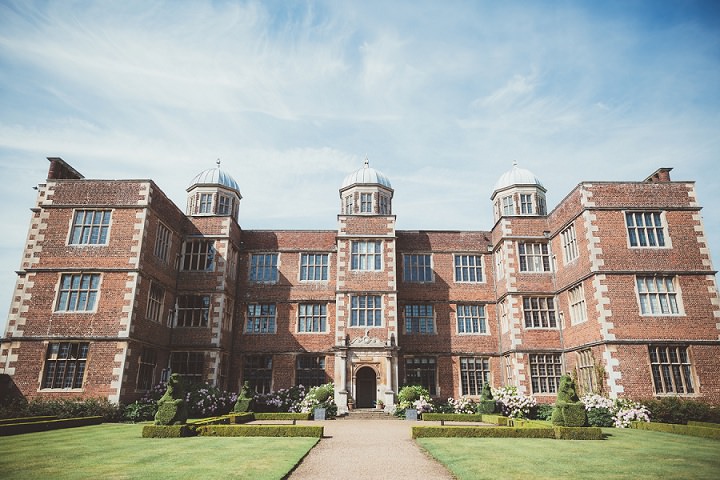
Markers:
point(380, 405)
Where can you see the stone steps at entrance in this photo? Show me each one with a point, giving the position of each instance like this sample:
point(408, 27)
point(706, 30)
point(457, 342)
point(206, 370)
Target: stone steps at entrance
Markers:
point(368, 414)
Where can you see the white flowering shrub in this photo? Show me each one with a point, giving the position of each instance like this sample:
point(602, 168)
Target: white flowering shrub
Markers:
point(320, 397)
point(514, 404)
point(462, 405)
point(423, 405)
point(605, 412)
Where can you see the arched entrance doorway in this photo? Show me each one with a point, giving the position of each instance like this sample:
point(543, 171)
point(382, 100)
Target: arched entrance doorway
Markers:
point(366, 385)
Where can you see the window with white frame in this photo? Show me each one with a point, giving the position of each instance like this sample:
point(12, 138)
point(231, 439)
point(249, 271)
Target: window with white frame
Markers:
point(366, 311)
point(366, 202)
point(257, 371)
point(205, 203)
point(657, 295)
point(508, 205)
point(419, 319)
point(310, 371)
point(586, 373)
point(468, 268)
point(474, 373)
point(312, 317)
point(189, 365)
point(366, 255)
point(199, 255)
point(499, 264)
point(78, 292)
point(534, 257)
point(156, 299)
point(264, 267)
point(261, 318)
point(645, 229)
point(509, 377)
point(471, 319)
point(526, 204)
point(162, 242)
point(65, 364)
point(569, 244)
point(539, 312)
point(384, 205)
point(90, 227)
point(224, 205)
point(671, 369)
point(349, 205)
point(314, 267)
point(146, 369)
point(422, 371)
point(417, 268)
point(193, 311)
point(545, 372)
point(578, 309)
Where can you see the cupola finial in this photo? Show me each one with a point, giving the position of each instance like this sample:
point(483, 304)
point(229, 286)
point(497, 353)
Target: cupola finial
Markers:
point(218, 162)
point(367, 162)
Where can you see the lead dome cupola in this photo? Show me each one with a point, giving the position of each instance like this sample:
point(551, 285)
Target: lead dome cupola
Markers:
point(518, 192)
point(366, 191)
point(213, 192)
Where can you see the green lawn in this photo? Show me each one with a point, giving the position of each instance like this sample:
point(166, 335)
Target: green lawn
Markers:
point(624, 454)
point(117, 451)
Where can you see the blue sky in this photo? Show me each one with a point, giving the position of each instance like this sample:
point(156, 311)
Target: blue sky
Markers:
point(442, 97)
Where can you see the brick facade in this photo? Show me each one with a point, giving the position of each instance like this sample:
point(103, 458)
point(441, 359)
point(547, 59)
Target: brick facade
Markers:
point(365, 306)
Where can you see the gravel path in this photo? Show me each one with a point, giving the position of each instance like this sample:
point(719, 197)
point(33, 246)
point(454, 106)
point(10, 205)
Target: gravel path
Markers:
point(368, 450)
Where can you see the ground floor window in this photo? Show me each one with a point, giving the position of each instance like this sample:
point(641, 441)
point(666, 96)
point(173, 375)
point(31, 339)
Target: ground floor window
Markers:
point(146, 369)
point(310, 371)
point(474, 373)
point(65, 365)
point(671, 369)
point(422, 371)
point(587, 379)
point(257, 371)
point(545, 372)
point(189, 365)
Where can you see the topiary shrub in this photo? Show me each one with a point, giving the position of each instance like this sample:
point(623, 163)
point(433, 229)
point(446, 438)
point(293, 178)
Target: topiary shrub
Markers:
point(569, 410)
point(487, 403)
point(542, 411)
point(313, 400)
point(171, 407)
point(245, 400)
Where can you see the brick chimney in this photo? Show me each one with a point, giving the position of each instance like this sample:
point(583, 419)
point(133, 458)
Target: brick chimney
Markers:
point(660, 175)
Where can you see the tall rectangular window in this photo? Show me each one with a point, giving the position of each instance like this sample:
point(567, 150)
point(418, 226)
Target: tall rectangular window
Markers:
point(384, 205)
point(261, 318)
point(349, 205)
point(539, 312)
point(264, 267)
point(468, 268)
point(526, 204)
point(310, 371)
point(189, 365)
point(366, 255)
point(422, 371)
point(156, 299)
point(312, 317)
point(471, 319)
point(474, 373)
point(314, 266)
point(224, 204)
point(645, 229)
point(193, 311)
point(366, 202)
point(671, 369)
point(417, 268)
point(199, 255)
point(162, 242)
point(545, 372)
point(78, 292)
point(578, 310)
point(65, 365)
point(366, 311)
point(569, 244)
point(257, 371)
point(205, 203)
point(534, 257)
point(419, 319)
point(587, 378)
point(90, 227)
point(508, 205)
point(657, 296)
point(146, 369)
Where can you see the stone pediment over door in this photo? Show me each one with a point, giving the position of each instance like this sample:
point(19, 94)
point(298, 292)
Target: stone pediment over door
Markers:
point(367, 341)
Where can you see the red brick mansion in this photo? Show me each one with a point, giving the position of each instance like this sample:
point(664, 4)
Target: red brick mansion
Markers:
point(118, 286)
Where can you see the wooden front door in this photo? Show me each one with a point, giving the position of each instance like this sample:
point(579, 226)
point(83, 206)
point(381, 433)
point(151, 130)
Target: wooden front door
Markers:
point(366, 385)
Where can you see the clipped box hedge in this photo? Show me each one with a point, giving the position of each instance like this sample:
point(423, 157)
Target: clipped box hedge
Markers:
point(578, 433)
point(283, 416)
point(261, 431)
point(692, 430)
point(693, 423)
point(523, 423)
point(167, 431)
point(39, 418)
point(560, 433)
point(43, 425)
point(465, 417)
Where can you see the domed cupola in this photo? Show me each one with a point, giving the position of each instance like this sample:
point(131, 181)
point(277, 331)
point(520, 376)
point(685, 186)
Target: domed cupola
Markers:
point(213, 192)
point(366, 191)
point(518, 192)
